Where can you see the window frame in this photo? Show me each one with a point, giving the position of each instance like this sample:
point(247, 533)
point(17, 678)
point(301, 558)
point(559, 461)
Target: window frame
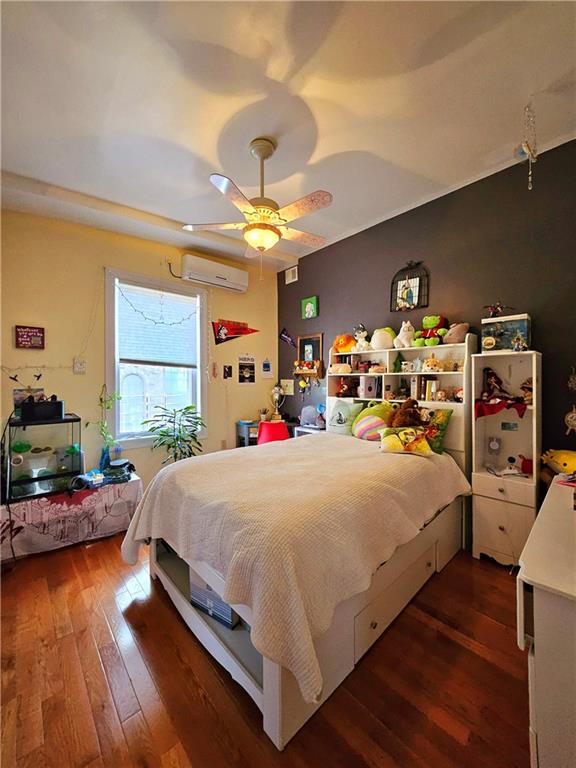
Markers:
point(111, 341)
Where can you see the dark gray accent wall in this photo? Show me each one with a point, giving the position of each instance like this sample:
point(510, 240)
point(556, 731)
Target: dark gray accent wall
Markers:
point(492, 240)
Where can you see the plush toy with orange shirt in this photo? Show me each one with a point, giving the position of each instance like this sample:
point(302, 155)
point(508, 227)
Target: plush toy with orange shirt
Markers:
point(343, 343)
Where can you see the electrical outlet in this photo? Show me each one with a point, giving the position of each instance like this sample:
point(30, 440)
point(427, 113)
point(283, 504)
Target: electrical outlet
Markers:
point(79, 366)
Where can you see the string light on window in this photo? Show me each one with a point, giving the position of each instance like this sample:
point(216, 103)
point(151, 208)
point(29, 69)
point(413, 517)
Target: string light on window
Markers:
point(156, 320)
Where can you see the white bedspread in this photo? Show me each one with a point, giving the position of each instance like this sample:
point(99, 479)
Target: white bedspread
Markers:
point(295, 527)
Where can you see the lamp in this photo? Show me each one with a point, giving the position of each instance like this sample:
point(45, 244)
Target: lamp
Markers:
point(261, 236)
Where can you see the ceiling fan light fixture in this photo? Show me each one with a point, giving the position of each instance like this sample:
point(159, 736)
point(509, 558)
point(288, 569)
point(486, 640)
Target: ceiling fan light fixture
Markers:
point(261, 236)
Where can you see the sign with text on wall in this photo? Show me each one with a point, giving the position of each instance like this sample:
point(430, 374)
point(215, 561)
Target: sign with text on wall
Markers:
point(29, 337)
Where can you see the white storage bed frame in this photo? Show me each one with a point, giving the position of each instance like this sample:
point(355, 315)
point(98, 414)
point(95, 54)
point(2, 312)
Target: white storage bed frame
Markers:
point(358, 622)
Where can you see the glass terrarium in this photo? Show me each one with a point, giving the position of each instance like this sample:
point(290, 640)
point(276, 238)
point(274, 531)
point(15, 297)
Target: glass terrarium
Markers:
point(43, 456)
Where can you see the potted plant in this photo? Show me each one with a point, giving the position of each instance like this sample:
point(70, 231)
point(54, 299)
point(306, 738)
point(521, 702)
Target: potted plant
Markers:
point(106, 402)
point(177, 430)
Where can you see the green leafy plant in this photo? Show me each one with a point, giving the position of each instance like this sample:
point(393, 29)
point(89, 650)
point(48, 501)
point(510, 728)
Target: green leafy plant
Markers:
point(177, 430)
point(106, 402)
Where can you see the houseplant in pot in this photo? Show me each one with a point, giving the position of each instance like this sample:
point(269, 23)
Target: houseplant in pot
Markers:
point(106, 403)
point(176, 429)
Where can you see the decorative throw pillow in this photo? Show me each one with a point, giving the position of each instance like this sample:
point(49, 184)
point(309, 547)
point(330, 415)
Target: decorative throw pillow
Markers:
point(342, 415)
point(436, 428)
point(405, 440)
point(372, 419)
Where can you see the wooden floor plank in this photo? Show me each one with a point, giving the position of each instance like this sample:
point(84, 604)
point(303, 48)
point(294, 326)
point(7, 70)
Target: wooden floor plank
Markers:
point(114, 678)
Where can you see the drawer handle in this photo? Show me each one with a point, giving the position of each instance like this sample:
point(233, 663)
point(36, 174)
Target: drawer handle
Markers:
point(501, 528)
point(429, 564)
point(373, 624)
point(501, 490)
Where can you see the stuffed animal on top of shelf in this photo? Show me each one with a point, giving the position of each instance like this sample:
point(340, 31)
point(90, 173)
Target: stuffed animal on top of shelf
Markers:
point(405, 337)
point(383, 338)
point(343, 343)
point(434, 327)
point(361, 336)
point(408, 415)
point(456, 334)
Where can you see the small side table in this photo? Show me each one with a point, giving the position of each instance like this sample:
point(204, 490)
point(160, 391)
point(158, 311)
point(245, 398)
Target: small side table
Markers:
point(50, 522)
point(246, 433)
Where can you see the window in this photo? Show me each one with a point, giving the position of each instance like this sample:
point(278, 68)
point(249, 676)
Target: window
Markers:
point(156, 334)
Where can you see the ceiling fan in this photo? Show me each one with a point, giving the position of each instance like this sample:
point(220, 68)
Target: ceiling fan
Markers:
point(265, 223)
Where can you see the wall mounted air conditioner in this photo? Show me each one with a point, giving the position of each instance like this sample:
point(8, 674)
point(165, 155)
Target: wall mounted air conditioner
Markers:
point(207, 272)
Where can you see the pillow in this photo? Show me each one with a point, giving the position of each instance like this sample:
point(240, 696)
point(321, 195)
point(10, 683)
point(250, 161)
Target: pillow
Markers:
point(436, 428)
point(405, 440)
point(372, 419)
point(342, 416)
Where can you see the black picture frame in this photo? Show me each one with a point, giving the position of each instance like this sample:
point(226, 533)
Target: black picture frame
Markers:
point(410, 287)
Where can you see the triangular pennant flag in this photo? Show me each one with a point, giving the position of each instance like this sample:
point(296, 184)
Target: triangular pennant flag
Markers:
point(226, 330)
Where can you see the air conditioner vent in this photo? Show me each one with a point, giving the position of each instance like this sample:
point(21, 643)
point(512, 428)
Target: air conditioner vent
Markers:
point(291, 275)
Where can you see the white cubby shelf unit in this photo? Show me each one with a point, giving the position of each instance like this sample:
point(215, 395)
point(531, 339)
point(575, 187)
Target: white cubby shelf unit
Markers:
point(446, 380)
point(504, 508)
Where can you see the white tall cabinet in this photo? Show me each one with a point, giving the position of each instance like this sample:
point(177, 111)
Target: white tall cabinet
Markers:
point(504, 508)
point(546, 592)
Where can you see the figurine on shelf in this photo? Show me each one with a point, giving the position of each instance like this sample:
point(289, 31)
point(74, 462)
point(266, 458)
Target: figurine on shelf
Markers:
point(377, 368)
point(493, 390)
point(441, 396)
point(496, 309)
point(459, 395)
point(519, 343)
point(527, 391)
point(361, 336)
point(405, 337)
point(432, 365)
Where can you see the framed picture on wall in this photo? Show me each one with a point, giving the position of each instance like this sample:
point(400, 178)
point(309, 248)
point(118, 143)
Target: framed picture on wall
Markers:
point(409, 288)
point(309, 307)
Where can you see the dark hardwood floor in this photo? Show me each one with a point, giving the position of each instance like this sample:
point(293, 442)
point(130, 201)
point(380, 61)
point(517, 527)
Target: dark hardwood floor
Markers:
point(98, 669)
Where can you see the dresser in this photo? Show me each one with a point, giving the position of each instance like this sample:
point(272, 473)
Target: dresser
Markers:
point(546, 605)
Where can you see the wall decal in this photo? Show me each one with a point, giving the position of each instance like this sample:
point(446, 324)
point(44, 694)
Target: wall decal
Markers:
point(227, 372)
point(29, 337)
point(309, 308)
point(226, 330)
point(267, 369)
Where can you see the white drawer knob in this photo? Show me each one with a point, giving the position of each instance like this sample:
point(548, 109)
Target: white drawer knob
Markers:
point(501, 490)
point(501, 528)
point(373, 624)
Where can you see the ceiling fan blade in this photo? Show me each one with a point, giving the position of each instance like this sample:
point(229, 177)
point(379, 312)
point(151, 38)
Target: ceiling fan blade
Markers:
point(208, 227)
point(313, 241)
point(227, 187)
point(312, 202)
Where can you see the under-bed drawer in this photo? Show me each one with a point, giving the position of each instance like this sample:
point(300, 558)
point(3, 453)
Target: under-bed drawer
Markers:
point(373, 620)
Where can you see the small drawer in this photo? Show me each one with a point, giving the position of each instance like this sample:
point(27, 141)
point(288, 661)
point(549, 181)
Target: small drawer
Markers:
point(501, 527)
point(373, 620)
point(518, 490)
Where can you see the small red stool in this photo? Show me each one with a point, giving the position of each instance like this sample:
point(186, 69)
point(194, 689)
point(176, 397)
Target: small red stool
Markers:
point(269, 431)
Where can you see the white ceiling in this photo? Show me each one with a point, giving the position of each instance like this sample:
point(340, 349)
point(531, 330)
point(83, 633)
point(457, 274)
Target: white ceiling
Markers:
point(385, 104)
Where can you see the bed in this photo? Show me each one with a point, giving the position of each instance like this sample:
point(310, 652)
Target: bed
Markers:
point(317, 542)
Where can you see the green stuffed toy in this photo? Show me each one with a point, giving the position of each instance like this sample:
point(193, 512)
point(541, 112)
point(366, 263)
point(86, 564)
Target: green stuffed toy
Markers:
point(434, 327)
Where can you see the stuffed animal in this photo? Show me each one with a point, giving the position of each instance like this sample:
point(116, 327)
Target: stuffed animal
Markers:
point(560, 461)
point(456, 333)
point(405, 337)
point(343, 343)
point(434, 328)
point(361, 336)
point(383, 338)
point(340, 368)
point(432, 365)
point(407, 415)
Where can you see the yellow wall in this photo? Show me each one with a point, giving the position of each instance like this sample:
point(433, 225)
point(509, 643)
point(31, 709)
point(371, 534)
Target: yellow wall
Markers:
point(52, 276)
